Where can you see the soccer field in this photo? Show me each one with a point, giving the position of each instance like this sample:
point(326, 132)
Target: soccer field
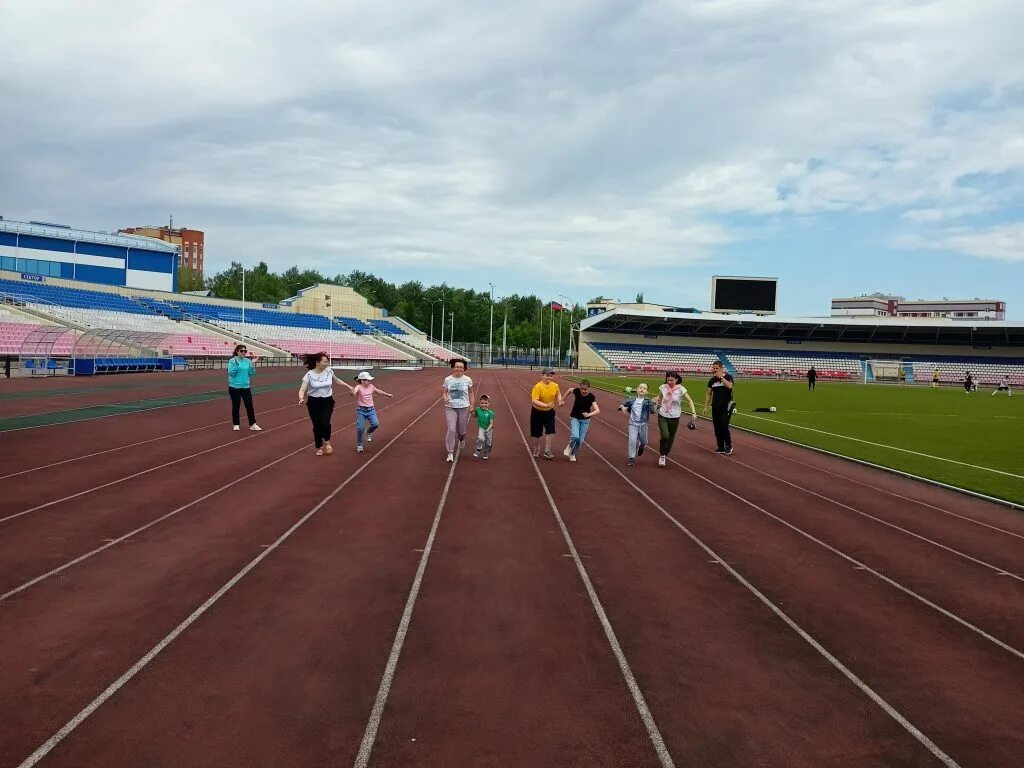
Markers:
point(973, 441)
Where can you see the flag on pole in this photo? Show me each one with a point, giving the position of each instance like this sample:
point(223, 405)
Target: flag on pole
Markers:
point(556, 307)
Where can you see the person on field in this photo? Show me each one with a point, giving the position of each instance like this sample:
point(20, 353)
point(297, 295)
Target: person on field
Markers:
point(584, 408)
point(366, 411)
point(457, 391)
point(812, 378)
point(240, 373)
point(544, 398)
point(935, 379)
point(317, 393)
point(485, 428)
point(670, 409)
point(1004, 386)
point(638, 408)
point(719, 397)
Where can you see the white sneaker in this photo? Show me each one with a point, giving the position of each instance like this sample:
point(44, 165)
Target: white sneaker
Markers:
point(369, 438)
point(567, 451)
point(255, 428)
point(572, 458)
point(462, 444)
point(359, 449)
point(236, 428)
point(661, 461)
point(451, 457)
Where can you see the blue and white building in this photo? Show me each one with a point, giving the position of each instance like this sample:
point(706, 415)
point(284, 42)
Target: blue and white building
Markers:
point(50, 250)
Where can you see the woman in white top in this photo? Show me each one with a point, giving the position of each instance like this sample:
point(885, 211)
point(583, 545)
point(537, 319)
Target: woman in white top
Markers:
point(317, 392)
point(458, 395)
point(670, 408)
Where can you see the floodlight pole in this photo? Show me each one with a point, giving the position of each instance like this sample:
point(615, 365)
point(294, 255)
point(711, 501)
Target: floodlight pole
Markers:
point(490, 335)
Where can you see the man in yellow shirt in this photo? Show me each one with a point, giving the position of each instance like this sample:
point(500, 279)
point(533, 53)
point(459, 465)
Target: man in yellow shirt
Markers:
point(545, 397)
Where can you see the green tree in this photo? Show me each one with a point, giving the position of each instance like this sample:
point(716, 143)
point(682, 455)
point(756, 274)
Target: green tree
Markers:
point(190, 280)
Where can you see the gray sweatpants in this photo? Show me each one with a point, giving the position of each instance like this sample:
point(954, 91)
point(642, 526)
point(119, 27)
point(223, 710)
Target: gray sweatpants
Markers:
point(484, 441)
point(456, 421)
point(637, 434)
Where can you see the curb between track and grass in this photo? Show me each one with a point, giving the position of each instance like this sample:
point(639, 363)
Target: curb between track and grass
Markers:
point(863, 462)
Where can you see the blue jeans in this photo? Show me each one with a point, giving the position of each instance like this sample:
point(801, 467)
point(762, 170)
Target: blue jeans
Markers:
point(577, 434)
point(365, 415)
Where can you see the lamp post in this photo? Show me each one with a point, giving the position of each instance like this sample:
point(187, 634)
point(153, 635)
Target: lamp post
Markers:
point(442, 317)
point(568, 301)
point(490, 333)
point(451, 330)
point(432, 318)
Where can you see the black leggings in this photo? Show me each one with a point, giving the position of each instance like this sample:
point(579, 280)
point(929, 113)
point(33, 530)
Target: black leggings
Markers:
point(667, 428)
point(720, 418)
point(237, 397)
point(320, 410)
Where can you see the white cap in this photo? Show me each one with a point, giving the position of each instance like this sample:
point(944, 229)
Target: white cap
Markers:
point(364, 375)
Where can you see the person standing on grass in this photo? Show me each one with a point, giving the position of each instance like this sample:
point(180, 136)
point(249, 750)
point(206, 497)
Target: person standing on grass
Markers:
point(485, 428)
point(902, 375)
point(366, 412)
point(935, 379)
point(719, 397)
point(457, 391)
point(584, 408)
point(1004, 386)
point(240, 373)
point(639, 409)
point(812, 378)
point(544, 398)
point(317, 392)
point(670, 409)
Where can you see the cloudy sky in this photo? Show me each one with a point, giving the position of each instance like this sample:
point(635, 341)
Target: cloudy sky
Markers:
point(572, 147)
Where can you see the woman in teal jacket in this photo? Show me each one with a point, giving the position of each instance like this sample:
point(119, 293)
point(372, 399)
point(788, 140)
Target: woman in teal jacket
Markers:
point(240, 373)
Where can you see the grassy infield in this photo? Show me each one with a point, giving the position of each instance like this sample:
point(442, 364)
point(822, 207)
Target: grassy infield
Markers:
point(976, 429)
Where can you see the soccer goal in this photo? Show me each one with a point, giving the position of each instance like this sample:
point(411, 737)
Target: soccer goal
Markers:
point(884, 371)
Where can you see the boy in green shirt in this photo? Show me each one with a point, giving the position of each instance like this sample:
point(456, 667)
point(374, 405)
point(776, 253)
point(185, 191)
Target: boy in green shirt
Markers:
point(485, 433)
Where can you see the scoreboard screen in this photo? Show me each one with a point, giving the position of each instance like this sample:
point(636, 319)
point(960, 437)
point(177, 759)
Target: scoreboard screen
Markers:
point(744, 294)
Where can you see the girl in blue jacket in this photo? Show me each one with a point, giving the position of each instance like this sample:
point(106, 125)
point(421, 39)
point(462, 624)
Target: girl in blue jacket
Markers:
point(639, 409)
point(240, 373)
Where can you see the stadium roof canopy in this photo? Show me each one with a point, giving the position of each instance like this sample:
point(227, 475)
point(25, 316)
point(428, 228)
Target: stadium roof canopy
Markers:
point(60, 232)
point(874, 330)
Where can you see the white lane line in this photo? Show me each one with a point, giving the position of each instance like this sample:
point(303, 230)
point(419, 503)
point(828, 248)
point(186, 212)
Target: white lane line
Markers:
point(889, 447)
point(112, 542)
point(373, 724)
point(804, 635)
point(848, 558)
point(47, 746)
point(854, 561)
point(219, 423)
point(653, 731)
point(384, 690)
point(147, 471)
point(958, 553)
point(894, 494)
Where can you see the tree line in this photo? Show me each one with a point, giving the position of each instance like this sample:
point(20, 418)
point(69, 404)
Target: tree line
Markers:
point(413, 301)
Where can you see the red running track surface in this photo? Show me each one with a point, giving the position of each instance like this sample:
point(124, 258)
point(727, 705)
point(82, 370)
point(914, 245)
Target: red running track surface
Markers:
point(776, 607)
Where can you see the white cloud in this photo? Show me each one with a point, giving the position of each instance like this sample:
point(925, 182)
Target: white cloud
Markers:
point(548, 138)
point(1004, 242)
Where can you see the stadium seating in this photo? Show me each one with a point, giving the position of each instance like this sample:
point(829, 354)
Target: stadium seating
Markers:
point(338, 344)
point(44, 294)
point(356, 325)
point(828, 365)
point(13, 334)
point(430, 348)
point(386, 326)
point(655, 357)
point(953, 370)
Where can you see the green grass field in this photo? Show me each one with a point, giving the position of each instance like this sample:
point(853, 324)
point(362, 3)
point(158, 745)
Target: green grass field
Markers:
point(919, 430)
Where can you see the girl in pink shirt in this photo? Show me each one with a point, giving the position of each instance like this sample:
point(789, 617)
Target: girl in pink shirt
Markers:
point(366, 413)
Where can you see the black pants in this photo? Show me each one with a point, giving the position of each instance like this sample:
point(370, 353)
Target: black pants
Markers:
point(238, 396)
point(667, 431)
point(720, 418)
point(810, 383)
point(320, 410)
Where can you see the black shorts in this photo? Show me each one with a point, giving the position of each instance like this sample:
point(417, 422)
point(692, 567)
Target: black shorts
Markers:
point(542, 422)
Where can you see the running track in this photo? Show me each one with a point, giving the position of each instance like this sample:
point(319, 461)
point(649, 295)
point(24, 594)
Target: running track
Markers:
point(204, 597)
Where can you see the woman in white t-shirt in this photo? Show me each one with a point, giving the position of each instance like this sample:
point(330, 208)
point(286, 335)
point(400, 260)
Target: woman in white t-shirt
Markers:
point(670, 408)
point(317, 392)
point(457, 391)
